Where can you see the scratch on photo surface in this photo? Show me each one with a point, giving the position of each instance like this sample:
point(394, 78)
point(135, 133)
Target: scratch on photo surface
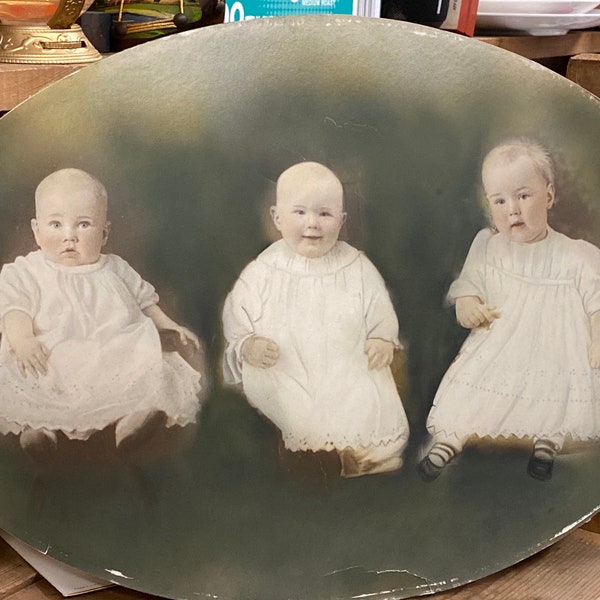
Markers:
point(411, 581)
point(432, 34)
point(573, 526)
point(344, 570)
point(372, 572)
point(117, 573)
point(349, 124)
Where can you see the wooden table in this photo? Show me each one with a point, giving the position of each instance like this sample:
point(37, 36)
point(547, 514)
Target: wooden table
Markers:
point(19, 82)
point(568, 569)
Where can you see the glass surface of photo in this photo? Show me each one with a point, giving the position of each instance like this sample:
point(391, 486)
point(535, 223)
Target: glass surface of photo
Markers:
point(302, 307)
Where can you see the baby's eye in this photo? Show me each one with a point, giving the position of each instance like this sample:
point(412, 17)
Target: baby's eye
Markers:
point(324, 213)
point(54, 224)
point(524, 196)
point(499, 201)
point(299, 211)
point(85, 224)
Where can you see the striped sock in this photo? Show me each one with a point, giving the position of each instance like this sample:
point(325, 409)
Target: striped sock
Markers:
point(441, 454)
point(545, 450)
point(541, 463)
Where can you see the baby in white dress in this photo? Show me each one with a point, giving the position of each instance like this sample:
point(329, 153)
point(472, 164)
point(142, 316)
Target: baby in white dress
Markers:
point(531, 298)
point(80, 345)
point(311, 333)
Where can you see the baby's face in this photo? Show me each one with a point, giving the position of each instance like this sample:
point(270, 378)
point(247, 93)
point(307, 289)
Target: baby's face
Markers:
point(70, 226)
point(519, 199)
point(310, 217)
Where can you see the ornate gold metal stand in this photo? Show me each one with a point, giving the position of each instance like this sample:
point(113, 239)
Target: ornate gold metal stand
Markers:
point(59, 42)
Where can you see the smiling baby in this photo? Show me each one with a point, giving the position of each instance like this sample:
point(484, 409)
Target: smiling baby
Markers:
point(311, 333)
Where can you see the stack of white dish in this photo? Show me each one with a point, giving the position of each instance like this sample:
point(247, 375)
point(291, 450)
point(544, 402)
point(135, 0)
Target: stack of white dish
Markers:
point(538, 17)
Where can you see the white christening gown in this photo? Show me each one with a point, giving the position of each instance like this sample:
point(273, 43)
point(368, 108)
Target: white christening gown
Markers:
point(105, 358)
point(320, 311)
point(528, 375)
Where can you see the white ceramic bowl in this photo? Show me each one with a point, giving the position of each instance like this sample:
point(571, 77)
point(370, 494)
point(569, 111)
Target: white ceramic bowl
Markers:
point(537, 6)
point(548, 24)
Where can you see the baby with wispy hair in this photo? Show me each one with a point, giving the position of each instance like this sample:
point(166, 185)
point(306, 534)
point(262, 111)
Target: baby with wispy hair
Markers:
point(530, 367)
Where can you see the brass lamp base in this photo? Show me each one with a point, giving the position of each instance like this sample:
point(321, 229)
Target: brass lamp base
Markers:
point(43, 45)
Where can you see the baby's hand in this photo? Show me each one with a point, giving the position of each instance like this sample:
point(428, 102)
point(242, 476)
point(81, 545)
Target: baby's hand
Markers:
point(187, 336)
point(260, 352)
point(594, 355)
point(379, 352)
point(471, 312)
point(32, 356)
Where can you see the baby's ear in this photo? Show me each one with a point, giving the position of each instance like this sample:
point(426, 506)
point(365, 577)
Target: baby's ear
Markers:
point(344, 217)
point(275, 216)
point(34, 228)
point(105, 233)
point(551, 195)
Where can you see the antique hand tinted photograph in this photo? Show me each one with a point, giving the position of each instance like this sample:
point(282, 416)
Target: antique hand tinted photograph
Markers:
point(302, 307)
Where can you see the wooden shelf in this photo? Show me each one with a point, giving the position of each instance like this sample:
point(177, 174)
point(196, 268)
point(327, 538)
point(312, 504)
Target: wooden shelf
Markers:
point(550, 46)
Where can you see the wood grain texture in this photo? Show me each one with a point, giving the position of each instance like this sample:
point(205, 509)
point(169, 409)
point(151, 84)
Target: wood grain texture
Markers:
point(593, 525)
point(584, 69)
point(15, 573)
point(569, 569)
point(19, 82)
point(535, 47)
